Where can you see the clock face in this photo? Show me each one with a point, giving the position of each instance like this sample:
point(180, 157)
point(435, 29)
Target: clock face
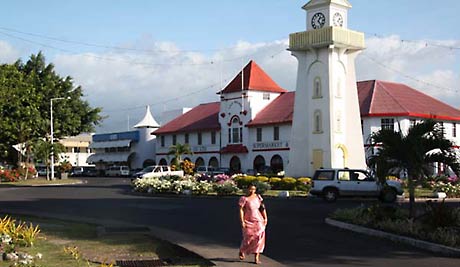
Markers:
point(337, 19)
point(318, 20)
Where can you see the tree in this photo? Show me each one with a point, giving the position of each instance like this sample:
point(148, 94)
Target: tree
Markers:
point(412, 153)
point(42, 151)
point(178, 150)
point(25, 94)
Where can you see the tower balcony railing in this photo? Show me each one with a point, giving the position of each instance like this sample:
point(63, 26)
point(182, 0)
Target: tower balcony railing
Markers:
point(336, 36)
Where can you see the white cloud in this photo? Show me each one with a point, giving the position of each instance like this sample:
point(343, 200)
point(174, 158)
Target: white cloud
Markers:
point(165, 77)
point(8, 54)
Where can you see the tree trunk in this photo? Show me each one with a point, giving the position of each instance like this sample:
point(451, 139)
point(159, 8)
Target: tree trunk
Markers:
point(411, 197)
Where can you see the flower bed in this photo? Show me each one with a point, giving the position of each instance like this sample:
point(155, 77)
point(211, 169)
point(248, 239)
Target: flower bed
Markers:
point(220, 184)
point(437, 223)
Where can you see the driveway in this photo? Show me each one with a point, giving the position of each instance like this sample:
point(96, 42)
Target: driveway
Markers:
point(296, 235)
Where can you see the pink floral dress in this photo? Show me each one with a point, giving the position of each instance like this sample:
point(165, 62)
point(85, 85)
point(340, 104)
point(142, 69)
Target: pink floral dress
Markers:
point(254, 233)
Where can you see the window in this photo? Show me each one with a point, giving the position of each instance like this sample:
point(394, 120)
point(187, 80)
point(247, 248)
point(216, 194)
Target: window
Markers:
point(413, 122)
point(266, 96)
point(162, 140)
point(76, 150)
point(235, 133)
point(443, 128)
point(259, 135)
point(454, 130)
point(186, 138)
point(317, 88)
point(276, 133)
point(174, 139)
point(213, 138)
point(318, 127)
point(387, 123)
point(200, 139)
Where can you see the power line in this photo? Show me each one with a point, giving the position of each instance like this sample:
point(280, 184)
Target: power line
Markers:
point(425, 43)
point(406, 75)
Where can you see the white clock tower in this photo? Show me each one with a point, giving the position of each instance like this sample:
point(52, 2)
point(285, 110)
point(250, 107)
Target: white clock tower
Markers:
point(326, 128)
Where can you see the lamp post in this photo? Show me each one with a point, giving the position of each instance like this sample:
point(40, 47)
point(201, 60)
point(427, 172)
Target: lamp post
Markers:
point(52, 133)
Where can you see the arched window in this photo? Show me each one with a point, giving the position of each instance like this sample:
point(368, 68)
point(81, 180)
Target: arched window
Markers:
point(199, 162)
point(213, 162)
point(259, 163)
point(235, 132)
point(235, 165)
point(276, 163)
point(317, 88)
point(148, 162)
point(318, 124)
point(163, 162)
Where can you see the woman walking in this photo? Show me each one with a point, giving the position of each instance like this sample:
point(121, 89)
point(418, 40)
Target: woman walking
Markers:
point(253, 217)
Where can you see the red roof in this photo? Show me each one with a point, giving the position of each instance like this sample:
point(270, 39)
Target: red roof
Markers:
point(200, 118)
point(387, 99)
point(254, 79)
point(278, 112)
point(230, 149)
point(376, 99)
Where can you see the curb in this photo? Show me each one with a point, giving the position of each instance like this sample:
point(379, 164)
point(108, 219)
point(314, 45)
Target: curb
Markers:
point(433, 247)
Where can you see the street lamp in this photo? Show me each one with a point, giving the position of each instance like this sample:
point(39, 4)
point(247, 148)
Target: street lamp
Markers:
point(52, 133)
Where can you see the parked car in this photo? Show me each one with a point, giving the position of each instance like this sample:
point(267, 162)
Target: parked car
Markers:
point(77, 171)
point(332, 183)
point(117, 171)
point(41, 171)
point(90, 171)
point(205, 170)
point(160, 171)
point(145, 170)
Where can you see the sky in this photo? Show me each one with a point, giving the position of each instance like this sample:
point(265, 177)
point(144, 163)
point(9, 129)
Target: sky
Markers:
point(179, 53)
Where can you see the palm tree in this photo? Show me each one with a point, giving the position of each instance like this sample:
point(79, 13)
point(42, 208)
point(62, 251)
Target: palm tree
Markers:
point(42, 151)
point(178, 150)
point(412, 153)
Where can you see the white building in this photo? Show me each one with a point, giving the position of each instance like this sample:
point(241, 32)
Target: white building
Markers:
point(251, 128)
point(135, 149)
point(76, 149)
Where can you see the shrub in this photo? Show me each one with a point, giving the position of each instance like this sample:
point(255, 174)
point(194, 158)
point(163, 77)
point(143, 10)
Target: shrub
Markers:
point(187, 167)
point(221, 178)
point(288, 183)
point(226, 188)
point(203, 177)
point(9, 175)
point(262, 187)
point(303, 184)
point(440, 215)
point(275, 182)
point(201, 188)
point(263, 179)
point(244, 181)
point(65, 166)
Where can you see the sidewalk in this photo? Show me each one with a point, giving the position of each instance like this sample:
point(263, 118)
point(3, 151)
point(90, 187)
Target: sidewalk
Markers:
point(223, 256)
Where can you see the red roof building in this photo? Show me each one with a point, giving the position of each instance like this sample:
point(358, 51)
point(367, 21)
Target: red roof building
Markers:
point(254, 79)
point(261, 125)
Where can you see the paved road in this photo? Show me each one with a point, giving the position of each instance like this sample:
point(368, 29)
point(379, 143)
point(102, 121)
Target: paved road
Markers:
point(296, 236)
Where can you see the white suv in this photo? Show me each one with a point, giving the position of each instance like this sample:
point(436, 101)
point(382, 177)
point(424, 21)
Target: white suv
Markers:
point(117, 171)
point(332, 183)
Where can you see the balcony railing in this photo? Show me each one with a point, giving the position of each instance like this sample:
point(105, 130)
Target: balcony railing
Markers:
point(326, 36)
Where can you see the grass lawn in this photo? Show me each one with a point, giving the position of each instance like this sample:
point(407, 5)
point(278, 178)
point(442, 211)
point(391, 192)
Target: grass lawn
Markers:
point(93, 246)
point(39, 181)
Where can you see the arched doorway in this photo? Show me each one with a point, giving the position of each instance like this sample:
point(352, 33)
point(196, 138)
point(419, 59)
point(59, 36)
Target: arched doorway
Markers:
point(213, 162)
point(340, 156)
point(259, 163)
point(148, 162)
point(199, 162)
point(276, 163)
point(235, 165)
point(187, 159)
point(163, 162)
point(172, 162)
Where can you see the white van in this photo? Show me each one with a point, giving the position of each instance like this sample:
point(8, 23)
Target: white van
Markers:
point(117, 171)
